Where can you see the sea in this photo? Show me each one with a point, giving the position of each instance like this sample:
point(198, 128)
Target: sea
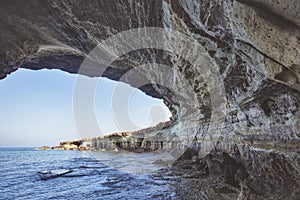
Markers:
point(27, 173)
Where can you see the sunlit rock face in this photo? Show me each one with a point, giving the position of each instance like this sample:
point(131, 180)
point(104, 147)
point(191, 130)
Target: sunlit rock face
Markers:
point(255, 45)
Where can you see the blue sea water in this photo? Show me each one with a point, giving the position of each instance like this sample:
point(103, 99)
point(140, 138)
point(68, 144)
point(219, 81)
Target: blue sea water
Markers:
point(94, 175)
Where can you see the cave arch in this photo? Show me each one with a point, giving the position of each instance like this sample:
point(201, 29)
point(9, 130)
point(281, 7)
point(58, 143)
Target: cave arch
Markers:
point(100, 62)
point(99, 59)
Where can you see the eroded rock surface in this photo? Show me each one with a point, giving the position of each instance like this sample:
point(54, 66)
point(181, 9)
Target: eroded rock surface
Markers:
point(254, 44)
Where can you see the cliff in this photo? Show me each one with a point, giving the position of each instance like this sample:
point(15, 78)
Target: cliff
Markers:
point(144, 140)
point(233, 90)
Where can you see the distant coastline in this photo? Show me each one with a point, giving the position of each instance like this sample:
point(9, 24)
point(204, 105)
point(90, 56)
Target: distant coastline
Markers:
point(135, 141)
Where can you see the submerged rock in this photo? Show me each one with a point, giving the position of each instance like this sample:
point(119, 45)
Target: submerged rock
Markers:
point(49, 174)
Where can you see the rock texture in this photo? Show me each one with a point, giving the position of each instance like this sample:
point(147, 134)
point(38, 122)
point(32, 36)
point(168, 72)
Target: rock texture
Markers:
point(255, 45)
point(137, 141)
point(73, 145)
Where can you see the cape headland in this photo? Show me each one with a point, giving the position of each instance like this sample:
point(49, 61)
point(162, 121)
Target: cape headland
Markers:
point(143, 140)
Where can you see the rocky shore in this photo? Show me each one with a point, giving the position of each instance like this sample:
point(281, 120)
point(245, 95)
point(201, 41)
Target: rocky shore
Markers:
point(237, 138)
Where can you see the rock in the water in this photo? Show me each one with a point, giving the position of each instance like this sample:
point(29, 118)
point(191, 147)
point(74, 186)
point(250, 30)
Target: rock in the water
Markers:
point(48, 174)
point(44, 148)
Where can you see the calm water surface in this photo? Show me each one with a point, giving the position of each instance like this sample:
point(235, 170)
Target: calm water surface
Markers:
point(95, 175)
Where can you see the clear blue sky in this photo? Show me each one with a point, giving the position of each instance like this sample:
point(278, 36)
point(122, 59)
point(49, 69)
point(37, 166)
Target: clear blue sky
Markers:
point(36, 108)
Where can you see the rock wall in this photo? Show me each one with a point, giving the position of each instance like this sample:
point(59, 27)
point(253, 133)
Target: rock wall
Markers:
point(144, 140)
point(255, 45)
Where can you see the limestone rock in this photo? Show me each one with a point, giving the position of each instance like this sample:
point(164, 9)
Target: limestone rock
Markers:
point(44, 148)
point(254, 45)
point(58, 148)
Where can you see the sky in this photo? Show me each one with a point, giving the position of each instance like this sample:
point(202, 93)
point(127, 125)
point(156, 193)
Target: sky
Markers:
point(37, 108)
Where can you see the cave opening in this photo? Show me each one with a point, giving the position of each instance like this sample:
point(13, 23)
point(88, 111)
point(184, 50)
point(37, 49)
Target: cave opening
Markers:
point(37, 108)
